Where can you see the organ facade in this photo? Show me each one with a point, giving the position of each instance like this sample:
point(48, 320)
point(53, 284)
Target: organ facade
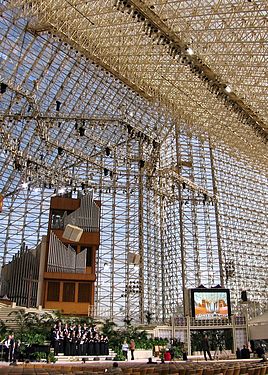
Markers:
point(65, 263)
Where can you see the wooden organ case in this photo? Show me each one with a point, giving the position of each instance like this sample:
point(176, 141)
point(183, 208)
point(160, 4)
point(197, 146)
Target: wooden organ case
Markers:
point(69, 264)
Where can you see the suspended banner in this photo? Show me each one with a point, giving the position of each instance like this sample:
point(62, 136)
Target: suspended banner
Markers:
point(1, 202)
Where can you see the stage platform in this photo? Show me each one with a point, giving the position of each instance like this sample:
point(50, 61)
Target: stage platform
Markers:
point(108, 362)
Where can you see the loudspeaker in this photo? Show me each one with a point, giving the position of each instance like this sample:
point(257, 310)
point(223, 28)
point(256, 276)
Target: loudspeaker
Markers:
point(72, 233)
point(134, 258)
point(244, 296)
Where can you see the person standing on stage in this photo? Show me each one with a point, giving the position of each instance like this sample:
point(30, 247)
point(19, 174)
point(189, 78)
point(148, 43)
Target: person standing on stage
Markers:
point(96, 345)
point(206, 348)
point(125, 349)
point(56, 340)
point(90, 344)
point(132, 348)
point(73, 342)
point(9, 348)
point(102, 345)
point(106, 345)
point(67, 344)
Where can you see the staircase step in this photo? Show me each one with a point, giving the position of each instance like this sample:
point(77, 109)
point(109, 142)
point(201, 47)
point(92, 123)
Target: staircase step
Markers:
point(79, 358)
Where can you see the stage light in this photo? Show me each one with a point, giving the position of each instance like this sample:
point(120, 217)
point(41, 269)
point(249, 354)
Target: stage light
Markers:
point(228, 89)
point(58, 104)
point(3, 88)
point(141, 163)
point(82, 131)
point(60, 151)
point(190, 51)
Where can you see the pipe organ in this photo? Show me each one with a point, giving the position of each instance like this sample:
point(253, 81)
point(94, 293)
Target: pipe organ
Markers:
point(59, 273)
point(20, 277)
point(64, 259)
point(69, 272)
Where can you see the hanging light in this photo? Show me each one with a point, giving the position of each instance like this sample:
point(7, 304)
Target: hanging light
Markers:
point(190, 51)
point(3, 88)
point(107, 151)
point(58, 104)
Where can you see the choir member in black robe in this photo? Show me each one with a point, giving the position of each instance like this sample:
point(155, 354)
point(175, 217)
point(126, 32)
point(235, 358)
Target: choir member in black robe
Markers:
point(96, 344)
point(102, 345)
point(90, 346)
point(73, 343)
point(106, 345)
point(67, 346)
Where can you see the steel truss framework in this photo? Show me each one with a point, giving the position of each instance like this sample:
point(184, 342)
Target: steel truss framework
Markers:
point(192, 212)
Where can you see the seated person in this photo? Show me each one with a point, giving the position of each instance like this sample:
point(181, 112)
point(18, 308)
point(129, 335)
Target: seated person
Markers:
point(167, 355)
point(150, 361)
point(114, 369)
point(245, 353)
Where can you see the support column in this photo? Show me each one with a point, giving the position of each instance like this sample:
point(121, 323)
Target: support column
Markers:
point(112, 296)
point(183, 272)
point(42, 261)
point(234, 334)
point(215, 190)
point(141, 240)
point(188, 335)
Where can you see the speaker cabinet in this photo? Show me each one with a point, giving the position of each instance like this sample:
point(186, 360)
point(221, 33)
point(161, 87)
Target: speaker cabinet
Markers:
point(72, 233)
point(134, 258)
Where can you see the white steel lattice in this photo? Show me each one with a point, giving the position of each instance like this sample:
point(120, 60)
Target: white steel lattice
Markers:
point(106, 104)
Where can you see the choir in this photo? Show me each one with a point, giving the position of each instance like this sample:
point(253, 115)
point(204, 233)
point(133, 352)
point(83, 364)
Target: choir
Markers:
point(79, 340)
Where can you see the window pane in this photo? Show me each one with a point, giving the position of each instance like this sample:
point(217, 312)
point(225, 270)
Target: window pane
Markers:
point(84, 292)
point(68, 292)
point(53, 291)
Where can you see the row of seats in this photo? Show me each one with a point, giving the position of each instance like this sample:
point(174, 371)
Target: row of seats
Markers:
point(175, 368)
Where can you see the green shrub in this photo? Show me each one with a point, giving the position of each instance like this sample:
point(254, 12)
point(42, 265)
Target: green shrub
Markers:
point(51, 358)
point(119, 357)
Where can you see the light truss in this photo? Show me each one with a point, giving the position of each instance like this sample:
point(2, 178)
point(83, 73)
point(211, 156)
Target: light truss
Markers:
point(193, 212)
point(145, 43)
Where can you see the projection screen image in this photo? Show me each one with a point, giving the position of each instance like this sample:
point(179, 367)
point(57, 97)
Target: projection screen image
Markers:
point(210, 304)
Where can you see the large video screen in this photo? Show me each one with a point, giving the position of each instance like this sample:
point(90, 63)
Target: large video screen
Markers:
point(210, 303)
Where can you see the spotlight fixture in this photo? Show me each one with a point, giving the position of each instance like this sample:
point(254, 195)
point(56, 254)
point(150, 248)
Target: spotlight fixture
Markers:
point(3, 88)
point(228, 89)
point(107, 151)
point(190, 51)
point(24, 185)
point(141, 163)
point(58, 104)
point(155, 143)
point(82, 131)
point(60, 150)
point(129, 129)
